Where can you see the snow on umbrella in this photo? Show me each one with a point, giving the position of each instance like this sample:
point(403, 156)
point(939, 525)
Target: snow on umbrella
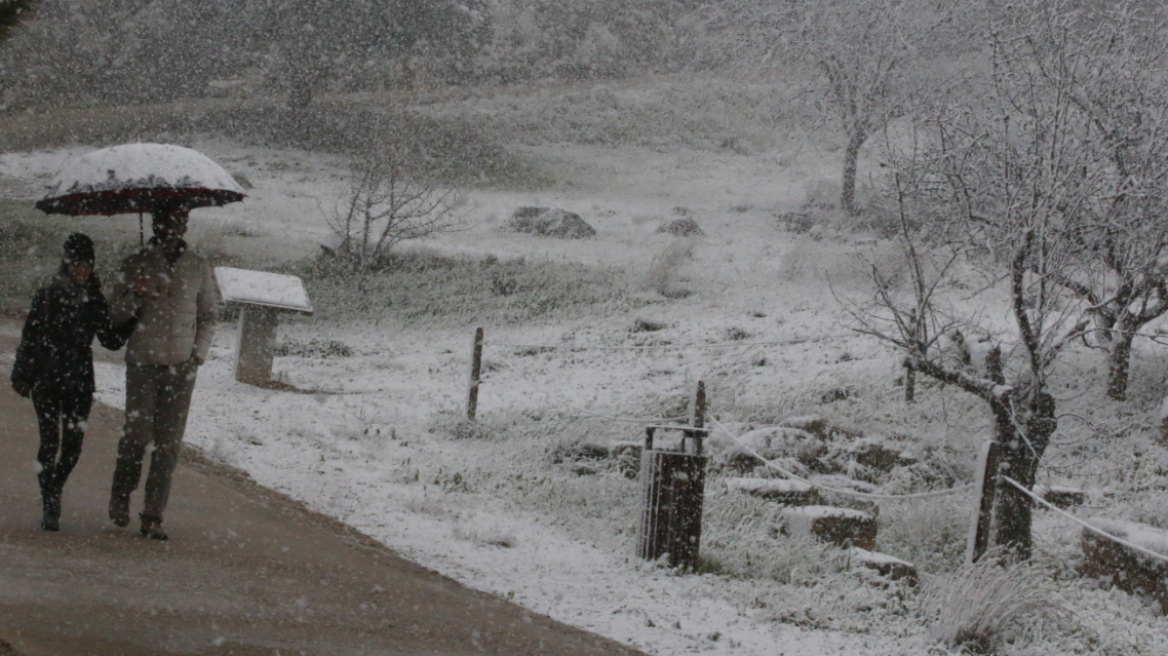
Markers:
point(135, 177)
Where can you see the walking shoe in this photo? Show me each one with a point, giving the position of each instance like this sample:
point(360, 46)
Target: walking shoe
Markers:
point(51, 518)
point(152, 528)
point(119, 510)
point(50, 523)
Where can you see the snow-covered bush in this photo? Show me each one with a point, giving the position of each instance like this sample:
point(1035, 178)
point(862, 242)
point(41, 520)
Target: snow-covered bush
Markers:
point(665, 271)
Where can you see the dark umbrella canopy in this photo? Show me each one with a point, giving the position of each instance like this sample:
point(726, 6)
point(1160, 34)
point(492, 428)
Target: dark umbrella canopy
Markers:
point(133, 178)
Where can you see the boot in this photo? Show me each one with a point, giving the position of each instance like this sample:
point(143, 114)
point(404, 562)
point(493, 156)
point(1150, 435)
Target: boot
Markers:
point(51, 501)
point(152, 528)
point(119, 509)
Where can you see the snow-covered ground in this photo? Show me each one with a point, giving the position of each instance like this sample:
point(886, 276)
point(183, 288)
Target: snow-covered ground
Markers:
point(362, 444)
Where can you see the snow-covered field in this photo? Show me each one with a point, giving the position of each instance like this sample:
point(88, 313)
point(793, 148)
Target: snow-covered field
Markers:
point(372, 441)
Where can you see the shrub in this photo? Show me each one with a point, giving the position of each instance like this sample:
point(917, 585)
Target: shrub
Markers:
point(664, 271)
point(987, 604)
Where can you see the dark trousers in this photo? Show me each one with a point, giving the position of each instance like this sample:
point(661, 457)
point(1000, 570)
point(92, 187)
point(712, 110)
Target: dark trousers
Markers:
point(61, 416)
point(157, 400)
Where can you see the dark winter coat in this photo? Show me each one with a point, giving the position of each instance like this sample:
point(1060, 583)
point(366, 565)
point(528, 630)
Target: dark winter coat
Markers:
point(56, 351)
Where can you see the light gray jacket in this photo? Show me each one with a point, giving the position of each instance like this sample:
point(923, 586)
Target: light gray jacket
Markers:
point(181, 321)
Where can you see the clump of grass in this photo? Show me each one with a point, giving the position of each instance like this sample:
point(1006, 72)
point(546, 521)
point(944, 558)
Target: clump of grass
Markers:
point(487, 536)
point(664, 275)
point(988, 604)
point(930, 535)
point(738, 533)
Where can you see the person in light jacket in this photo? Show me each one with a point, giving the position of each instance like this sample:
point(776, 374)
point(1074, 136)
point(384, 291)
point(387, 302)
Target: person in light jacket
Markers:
point(54, 366)
point(170, 290)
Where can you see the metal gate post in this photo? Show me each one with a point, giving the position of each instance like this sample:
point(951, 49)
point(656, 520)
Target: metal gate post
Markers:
point(672, 485)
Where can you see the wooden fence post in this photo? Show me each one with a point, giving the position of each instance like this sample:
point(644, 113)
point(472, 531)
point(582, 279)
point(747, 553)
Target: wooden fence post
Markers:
point(910, 383)
point(984, 489)
point(697, 417)
point(476, 365)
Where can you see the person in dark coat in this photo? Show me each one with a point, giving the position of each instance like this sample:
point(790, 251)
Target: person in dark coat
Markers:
point(54, 365)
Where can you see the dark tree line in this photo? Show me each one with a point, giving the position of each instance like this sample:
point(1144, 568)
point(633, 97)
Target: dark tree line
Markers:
point(117, 51)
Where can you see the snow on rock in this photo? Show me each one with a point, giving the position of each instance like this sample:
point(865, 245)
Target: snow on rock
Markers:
point(1128, 569)
point(841, 526)
point(683, 227)
point(553, 222)
point(791, 493)
point(1060, 495)
point(889, 567)
point(875, 454)
point(781, 442)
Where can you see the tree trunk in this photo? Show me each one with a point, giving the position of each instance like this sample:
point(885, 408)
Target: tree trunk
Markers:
point(1119, 361)
point(1021, 453)
point(851, 162)
point(1012, 508)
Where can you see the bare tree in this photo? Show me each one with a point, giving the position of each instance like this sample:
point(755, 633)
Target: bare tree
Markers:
point(1051, 180)
point(870, 62)
point(1025, 257)
point(1114, 60)
point(388, 202)
point(1076, 123)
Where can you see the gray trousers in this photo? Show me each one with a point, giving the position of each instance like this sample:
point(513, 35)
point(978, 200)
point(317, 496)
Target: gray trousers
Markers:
point(158, 398)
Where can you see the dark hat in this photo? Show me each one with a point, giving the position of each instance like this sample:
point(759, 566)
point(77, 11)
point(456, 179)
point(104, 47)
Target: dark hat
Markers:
point(79, 248)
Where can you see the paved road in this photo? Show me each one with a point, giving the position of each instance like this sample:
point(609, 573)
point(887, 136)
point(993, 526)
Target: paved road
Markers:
point(246, 571)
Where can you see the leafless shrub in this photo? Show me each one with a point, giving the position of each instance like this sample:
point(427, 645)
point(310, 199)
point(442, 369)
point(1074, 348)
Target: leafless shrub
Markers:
point(388, 202)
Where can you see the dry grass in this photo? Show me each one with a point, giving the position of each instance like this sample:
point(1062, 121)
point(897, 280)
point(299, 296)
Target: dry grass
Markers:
point(664, 276)
point(990, 603)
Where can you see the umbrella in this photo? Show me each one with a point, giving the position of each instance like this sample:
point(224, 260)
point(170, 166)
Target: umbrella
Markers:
point(135, 178)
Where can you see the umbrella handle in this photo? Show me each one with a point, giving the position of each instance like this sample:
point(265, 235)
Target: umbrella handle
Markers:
point(141, 232)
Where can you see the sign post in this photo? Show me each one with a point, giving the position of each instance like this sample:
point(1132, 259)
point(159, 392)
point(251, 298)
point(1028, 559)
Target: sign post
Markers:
point(262, 297)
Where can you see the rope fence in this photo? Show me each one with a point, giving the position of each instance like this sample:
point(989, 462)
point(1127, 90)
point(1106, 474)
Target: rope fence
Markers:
point(542, 390)
point(676, 347)
point(1094, 529)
